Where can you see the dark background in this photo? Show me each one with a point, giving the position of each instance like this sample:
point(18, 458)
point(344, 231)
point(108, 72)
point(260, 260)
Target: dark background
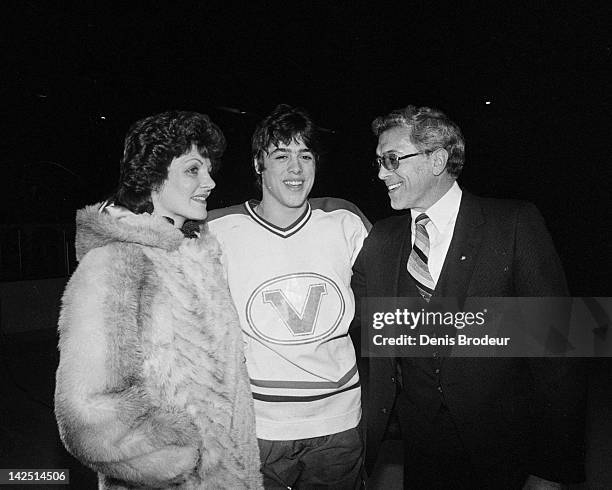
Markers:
point(529, 84)
point(76, 75)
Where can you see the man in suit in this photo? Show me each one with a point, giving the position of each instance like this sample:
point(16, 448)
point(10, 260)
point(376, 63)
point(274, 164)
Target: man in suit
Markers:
point(465, 422)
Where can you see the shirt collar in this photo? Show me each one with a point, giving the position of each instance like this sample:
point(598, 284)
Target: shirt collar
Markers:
point(286, 232)
point(444, 211)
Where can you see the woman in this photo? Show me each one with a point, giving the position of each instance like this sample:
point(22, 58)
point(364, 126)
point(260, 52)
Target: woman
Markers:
point(152, 389)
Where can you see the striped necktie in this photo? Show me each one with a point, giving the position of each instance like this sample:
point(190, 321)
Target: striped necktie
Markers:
point(417, 262)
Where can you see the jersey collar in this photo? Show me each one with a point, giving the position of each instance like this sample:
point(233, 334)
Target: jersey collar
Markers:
point(292, 229)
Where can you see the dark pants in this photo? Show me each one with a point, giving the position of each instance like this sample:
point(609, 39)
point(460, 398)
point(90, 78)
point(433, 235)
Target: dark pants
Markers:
point(331, 461)
point(436, 458)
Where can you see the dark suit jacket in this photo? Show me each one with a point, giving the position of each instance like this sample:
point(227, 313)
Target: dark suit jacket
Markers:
point(526, 413)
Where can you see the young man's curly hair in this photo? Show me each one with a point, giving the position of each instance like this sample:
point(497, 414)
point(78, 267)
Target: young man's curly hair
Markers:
point(284, 125)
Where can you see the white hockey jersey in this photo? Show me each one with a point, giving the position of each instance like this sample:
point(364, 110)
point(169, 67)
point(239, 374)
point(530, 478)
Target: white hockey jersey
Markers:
point(291, 287)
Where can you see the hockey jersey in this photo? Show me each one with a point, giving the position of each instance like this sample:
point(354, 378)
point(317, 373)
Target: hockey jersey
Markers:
point(291, 287)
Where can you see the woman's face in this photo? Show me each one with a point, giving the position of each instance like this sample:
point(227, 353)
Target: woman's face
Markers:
point(183, 194)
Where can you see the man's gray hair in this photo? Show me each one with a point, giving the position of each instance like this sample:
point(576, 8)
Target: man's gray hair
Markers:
point(430, 129)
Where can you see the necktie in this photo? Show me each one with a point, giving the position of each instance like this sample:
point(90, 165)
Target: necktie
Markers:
point(417, 262)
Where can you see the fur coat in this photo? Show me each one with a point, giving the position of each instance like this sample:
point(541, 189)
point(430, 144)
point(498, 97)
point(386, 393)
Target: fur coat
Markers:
point(152, 389)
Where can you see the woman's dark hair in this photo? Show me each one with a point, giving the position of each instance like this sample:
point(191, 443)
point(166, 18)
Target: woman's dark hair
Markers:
point(150, 146)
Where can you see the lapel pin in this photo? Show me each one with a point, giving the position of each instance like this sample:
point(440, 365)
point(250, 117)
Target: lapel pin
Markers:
point(463, 257)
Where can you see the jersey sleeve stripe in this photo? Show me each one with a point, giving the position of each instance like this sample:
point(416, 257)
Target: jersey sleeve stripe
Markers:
point(312, 398)
point(214, 214)
point(331, 204)
point(306, 384)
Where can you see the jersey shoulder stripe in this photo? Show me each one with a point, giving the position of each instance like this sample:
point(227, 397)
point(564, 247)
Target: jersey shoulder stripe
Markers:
point(330, 204)
point(311, 398)
point(215, 214)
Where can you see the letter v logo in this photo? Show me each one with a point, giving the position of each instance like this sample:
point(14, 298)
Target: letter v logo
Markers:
point(298, 323)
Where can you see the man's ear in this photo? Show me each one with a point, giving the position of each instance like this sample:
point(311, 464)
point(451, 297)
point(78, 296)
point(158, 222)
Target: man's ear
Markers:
point(257, 166)
point(439, 158)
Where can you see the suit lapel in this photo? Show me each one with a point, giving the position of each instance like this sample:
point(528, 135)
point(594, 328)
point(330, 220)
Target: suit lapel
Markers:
point(459, 262)
point(464, 247)
point(460, 259)
point(397, 248)
point(458, 265)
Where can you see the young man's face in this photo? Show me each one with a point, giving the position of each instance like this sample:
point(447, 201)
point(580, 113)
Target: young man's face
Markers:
point(288, 175)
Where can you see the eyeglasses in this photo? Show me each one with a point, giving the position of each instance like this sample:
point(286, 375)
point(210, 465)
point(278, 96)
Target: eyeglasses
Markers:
point(391, 161)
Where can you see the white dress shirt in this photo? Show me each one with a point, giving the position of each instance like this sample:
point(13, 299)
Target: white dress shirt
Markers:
point(443, 216)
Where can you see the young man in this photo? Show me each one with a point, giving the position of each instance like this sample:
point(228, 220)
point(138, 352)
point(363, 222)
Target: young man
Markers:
point(288, 261)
